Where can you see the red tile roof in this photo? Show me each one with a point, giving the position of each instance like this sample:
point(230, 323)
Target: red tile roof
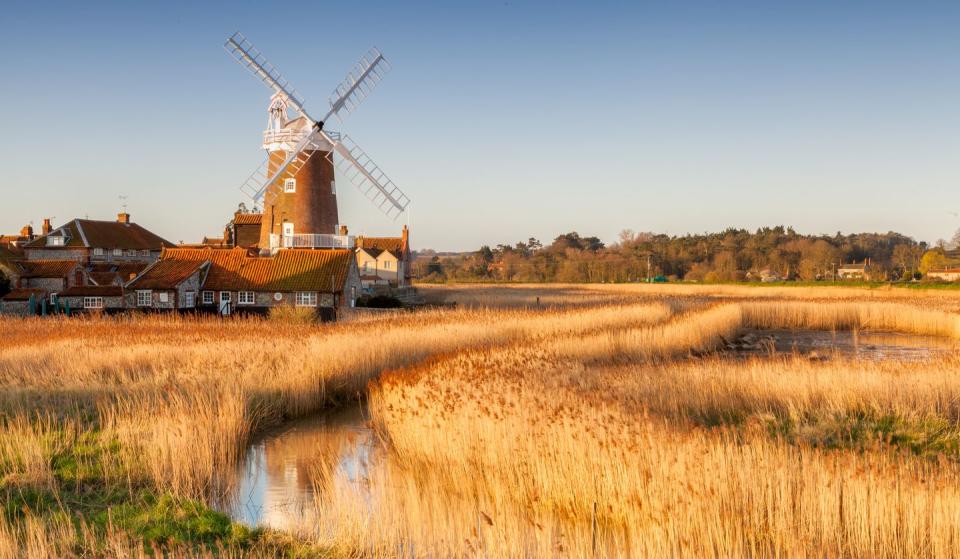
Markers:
point(393, 244)
point(47, 268)
point(167, 274)
point(248, 219)
point(108, 235)
point(24, 294)
point(93, 291)
point(288, 271)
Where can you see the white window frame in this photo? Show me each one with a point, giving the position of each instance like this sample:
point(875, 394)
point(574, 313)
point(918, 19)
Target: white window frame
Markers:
point(306, 299)
point(131, 252)
point(118, 252)
point(144, 298)
point(225, 297)
point(386, 264)
point(209, 298)
point(290, 185)
point(144, 252)
point(98, 252)
point(246, 298)
point(163, 297)
point(56, 241)
point(333, 187)
point(190, 299)
point(93, 302)
point(353, 296)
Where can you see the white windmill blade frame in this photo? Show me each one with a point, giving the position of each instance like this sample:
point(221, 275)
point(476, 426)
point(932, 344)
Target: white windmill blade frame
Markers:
point(241, 49)
point(369, 179)
point(358, 84)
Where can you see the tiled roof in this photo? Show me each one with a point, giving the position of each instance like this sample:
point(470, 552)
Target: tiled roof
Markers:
point(248, 219)
point(24, 294)
point(166, 274)
point(393, 244)
point(861, 266)
point(105, 234)
point(47, 268)
point(213, 242)
point(93, 291)
point(373, 252)
point(105, 278)
point(289, 270)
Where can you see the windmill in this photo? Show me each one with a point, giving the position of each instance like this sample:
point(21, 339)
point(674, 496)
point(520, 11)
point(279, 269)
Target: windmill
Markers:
point(296, 183)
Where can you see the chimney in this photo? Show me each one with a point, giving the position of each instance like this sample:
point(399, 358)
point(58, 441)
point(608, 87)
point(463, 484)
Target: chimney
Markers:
point(123, 217)
point(227, 236)
point(343, 230)
point(47, 228)
point(405, 238)
point(27, 231)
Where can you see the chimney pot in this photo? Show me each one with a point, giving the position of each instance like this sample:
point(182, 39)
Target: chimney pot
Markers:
point(123, 217)
point(27, 231)
point(47, 228)
point(343, 230)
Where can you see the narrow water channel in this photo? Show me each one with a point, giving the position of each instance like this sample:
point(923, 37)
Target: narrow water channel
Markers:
point(274, 485)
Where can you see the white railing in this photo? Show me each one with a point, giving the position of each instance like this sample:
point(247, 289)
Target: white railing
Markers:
point(312, 241)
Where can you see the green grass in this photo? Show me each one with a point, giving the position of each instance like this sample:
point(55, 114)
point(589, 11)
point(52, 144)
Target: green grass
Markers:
point(90, 488)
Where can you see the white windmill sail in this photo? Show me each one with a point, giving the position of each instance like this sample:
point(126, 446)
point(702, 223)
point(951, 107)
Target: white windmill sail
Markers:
point(351, 160)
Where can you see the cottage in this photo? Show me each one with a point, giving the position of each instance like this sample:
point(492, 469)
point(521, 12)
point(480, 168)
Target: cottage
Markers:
point(51, 276)
point(854, 271)
point(241, 281)
point(87, 240)
point(167, 284)
point(92, 299)
point(23, 302)
point(947, 274)
point(384, 260)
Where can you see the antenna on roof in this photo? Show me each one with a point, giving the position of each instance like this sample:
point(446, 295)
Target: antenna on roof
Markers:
point(123, 202)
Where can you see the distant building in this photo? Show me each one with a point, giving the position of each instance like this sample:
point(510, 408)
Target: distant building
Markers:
point(92, 299)
point(87, 240)
point(854, 271)
point(947, 274)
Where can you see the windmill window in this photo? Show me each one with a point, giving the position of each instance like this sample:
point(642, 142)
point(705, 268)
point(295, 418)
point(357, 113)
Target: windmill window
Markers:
point(333, 187)
point(290, 185)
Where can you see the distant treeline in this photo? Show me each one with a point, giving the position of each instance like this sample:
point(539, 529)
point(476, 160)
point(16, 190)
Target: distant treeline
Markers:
point(732, 255)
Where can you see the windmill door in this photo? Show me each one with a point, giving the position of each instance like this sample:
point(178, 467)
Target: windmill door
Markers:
point(287, 235)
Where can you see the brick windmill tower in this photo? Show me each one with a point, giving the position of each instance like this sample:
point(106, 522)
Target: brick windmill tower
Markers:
point(296, 183)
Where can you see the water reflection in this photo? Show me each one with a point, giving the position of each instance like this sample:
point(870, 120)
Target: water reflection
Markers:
point(275, 485)
point(874, 346)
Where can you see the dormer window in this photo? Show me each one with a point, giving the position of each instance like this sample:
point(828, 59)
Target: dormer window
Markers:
point(55, 241)
point(290, 185)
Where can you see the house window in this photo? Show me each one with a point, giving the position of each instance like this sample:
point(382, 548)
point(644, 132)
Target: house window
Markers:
point(93, 302)
point(246, 298)
point(145, 298)
point(208, 297)
point(386, 265)
point(366, 266)
point(145, 253)
point(98, 252)
point(131, 252)
point(118, 252)
point(190, 299)
point(290, 185)
point(53, 298)
point(353, 296)
point(306, 298)
point(164, 297)
point(55, 241)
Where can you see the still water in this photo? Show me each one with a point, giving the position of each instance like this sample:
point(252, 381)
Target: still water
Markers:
point(275, 486)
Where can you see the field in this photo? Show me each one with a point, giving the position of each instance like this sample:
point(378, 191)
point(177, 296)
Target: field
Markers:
point(526, 421)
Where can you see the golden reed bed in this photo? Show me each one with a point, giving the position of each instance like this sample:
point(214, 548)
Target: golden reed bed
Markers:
point(577, 427)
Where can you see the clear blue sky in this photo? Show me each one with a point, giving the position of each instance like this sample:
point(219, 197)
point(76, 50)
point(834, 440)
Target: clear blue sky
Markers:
point(501, 120)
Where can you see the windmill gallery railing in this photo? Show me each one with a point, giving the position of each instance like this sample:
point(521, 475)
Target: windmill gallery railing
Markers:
point(312, 241)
